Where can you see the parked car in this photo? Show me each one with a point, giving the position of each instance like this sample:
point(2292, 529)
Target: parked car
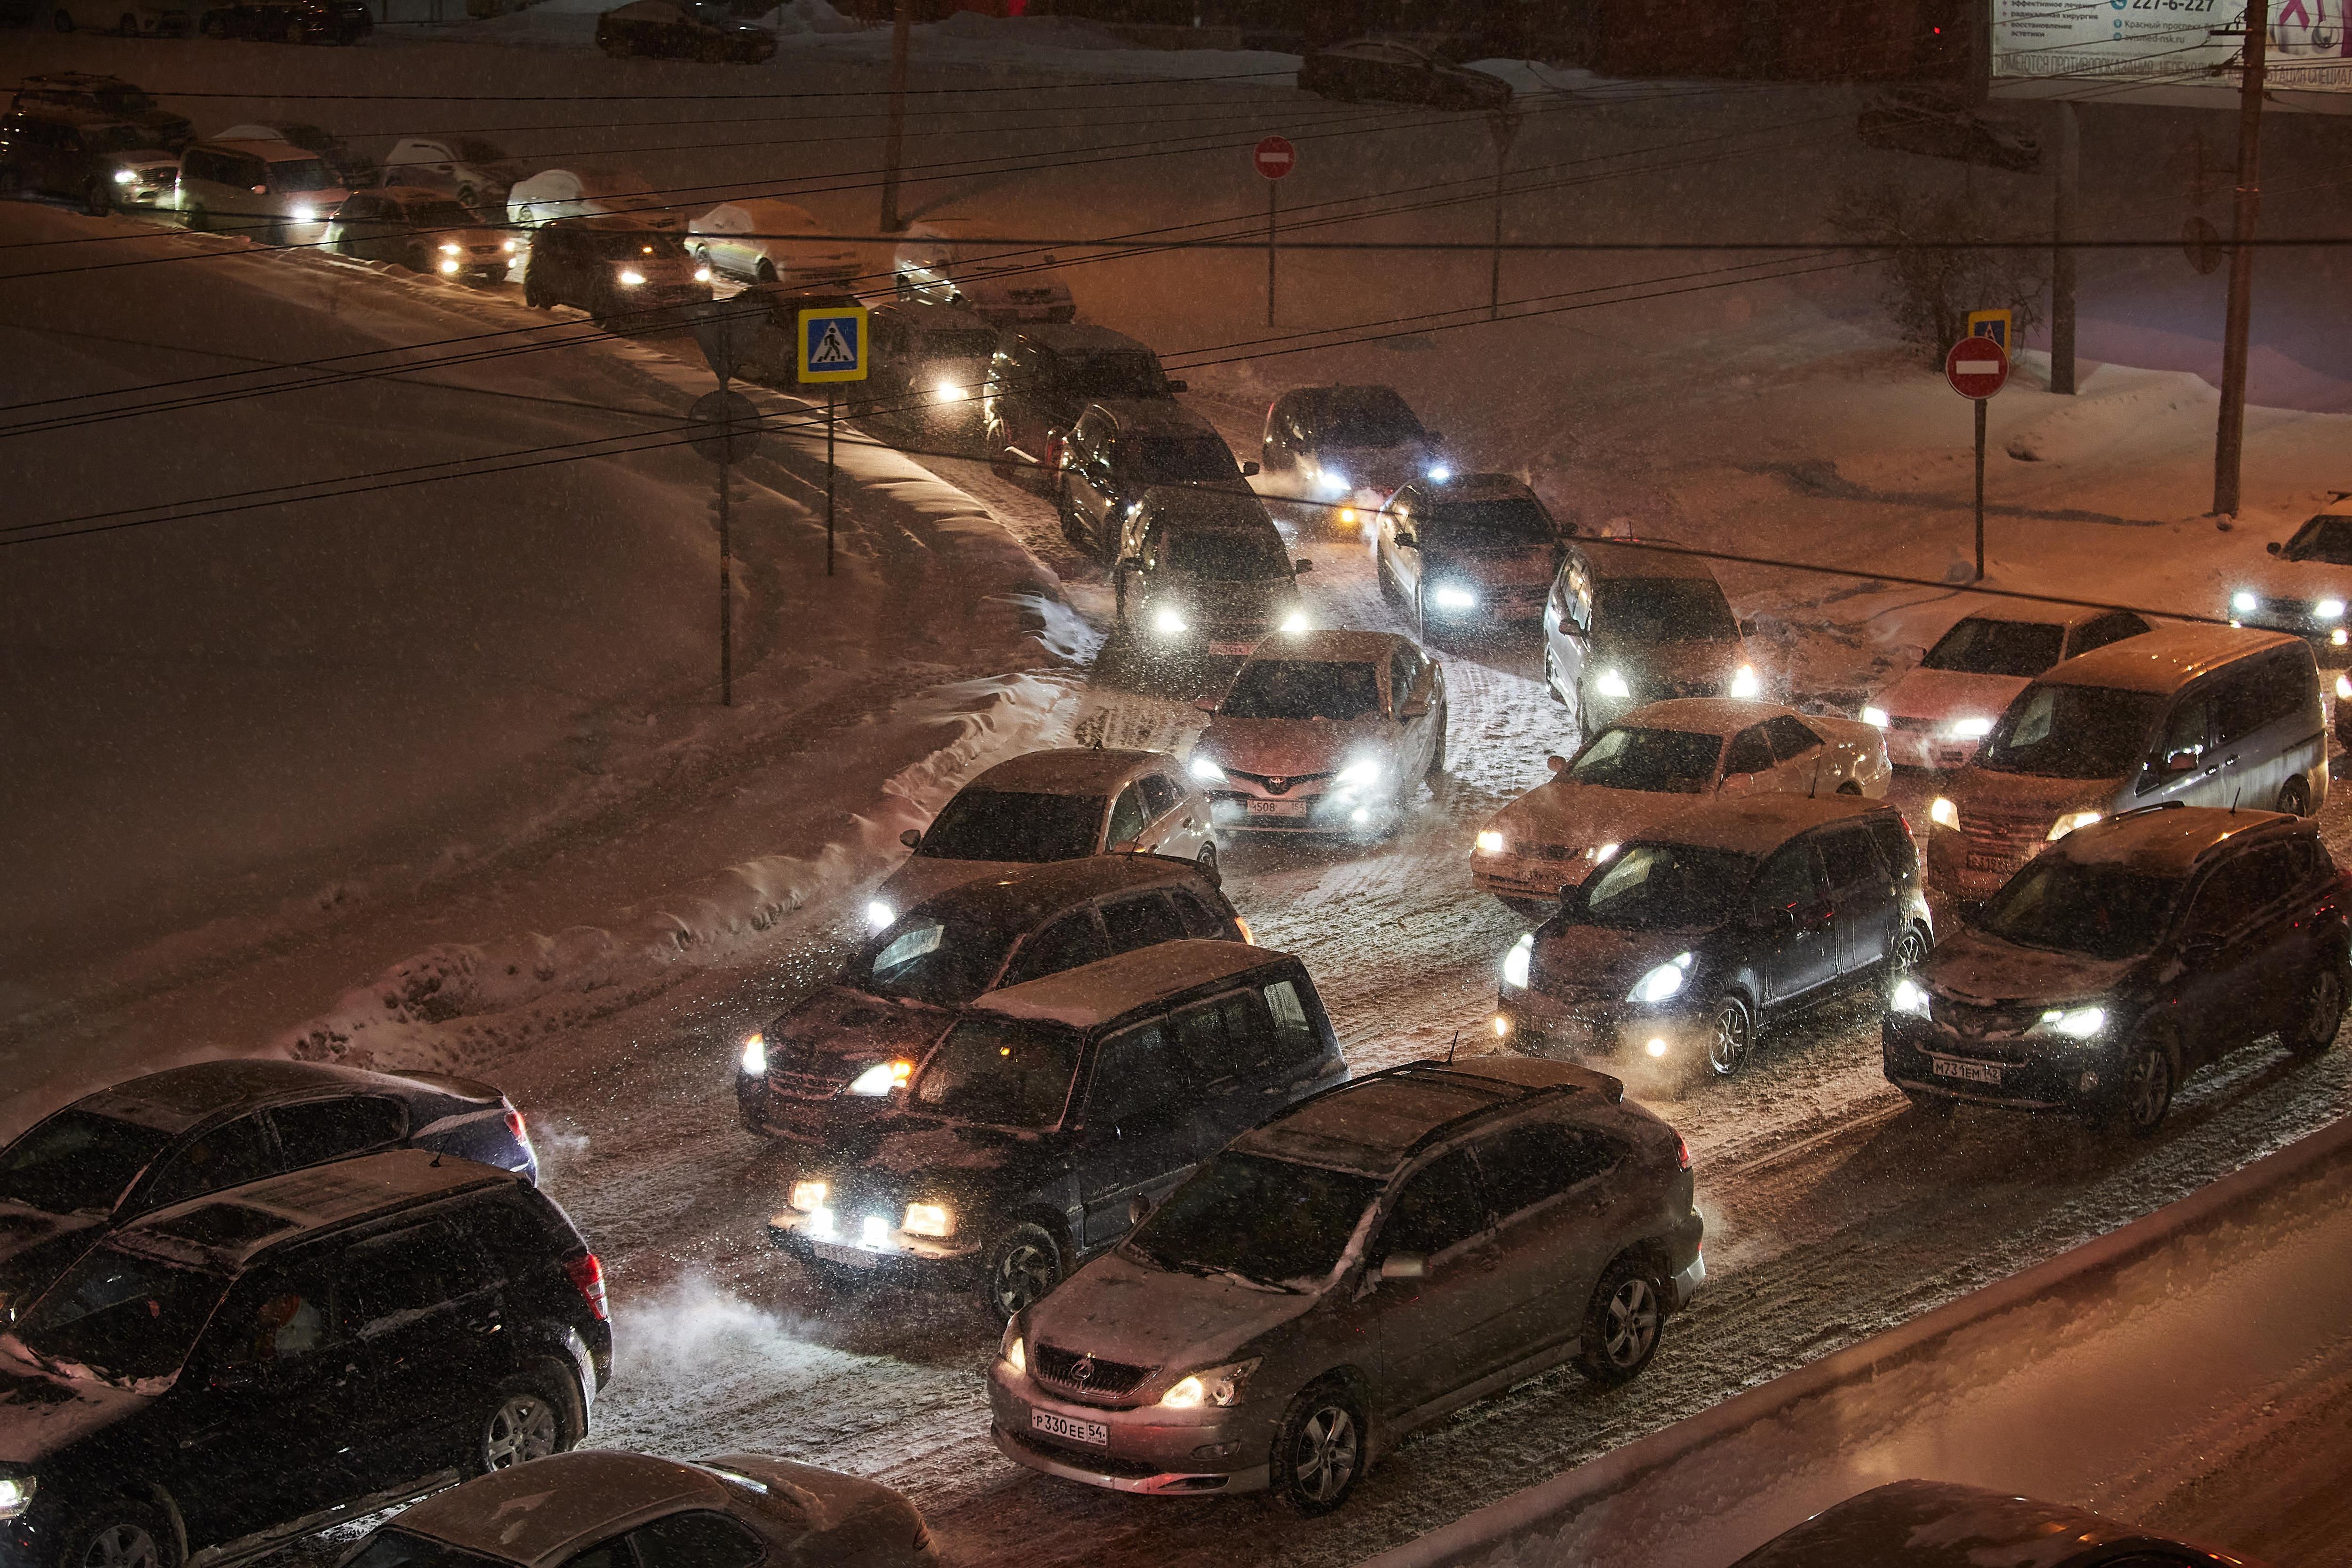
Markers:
point(1122, 447)
point(1345, 448)
point(353, 169)
point(2307, 584)
point(1041, 380)
point(1938, 711)
point(939, 262)
point(772, 354)
point(1384, 68)
point(625, 272)
point(272, 191)
point(2203, 715)
point(421, 230)
point(1703, 930)
point(758, 237)
point(2123, 957)
point(607, 1507)
point(102, 163)
point(550, 193)
point(289, 21)
point(1921, 120)
point(1473, 550)
point(1203, 571)
point(111, 96)
point(1942, 1524)
point(1326, 732)
point(1362, 1264)
point(929, 362)
point(682, 30)
point(831, 1070)
point(1056, 1110)
point(1625, 626)
point(474, 171)
point(1654, 764)
point(128, 18)
point(111, 1158)
point(261, 1363)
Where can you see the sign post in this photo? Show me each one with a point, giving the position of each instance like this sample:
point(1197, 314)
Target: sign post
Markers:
point(1978, 367)
point(833, 349)
point(726, 431)
point(1273, 159)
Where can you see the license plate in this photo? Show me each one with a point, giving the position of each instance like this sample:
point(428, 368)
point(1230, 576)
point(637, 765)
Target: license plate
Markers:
point(1979, 862)
point(1276, 807)
point(855, 1256)
point(1972, 1072)
point(1069, 1431)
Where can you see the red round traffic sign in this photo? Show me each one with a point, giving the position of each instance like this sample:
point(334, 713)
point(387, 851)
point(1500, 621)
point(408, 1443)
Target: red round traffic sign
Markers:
point(1275, 157)
point(1977, 368)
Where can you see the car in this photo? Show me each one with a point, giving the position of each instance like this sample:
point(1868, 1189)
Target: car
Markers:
point(109, 96)
point(270, 1359)
point(1361, 1265)
point(940, 261)
point(1397, 72)
point(1922, 120)
point(108, 1158)
point(1040, 381)
point(771, 354)
point(929, 362)
point(829, 1070)
point(1938, 711)
point(272, 191)
point(1341, 450)
point(353, 169)
point(475, 171)
point(289, 21)
point(1328, 731)
point(1056, 1111)
point(421, 230)
point(2307, 584)
point(1655, 763)
point(682, 30)
point(1702, 932)
point(1625, 624)
point(1203, 570)
point(1942, 1524)
point(2123, 957)
point(2203, 715)
point(1474, 550)
point(601, 1508)
point(758, 237)
point(103, 163)
point(1122, 447)
point(627, 273)
point(128, 18)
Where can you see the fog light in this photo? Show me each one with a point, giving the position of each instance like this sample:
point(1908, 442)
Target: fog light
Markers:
point(755, 1056)
point(1943, 812)
point(2244, 604)
point(1657, 1048)
point(1502, 1027)
point(874, 1232)
point(1216, 1451)
point(449, 266)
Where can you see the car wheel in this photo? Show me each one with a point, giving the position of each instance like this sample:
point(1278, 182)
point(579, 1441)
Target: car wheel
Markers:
point(1207, 858)
point(1318, 1449)
point(1436, 774)
point(767, 270)
point(98, 199)
point(2147, 1084)
point(1026, 1265)
point(2295, 798)
point(534, 294)
point(1851, 787)
point(1908, 950)
point(1551, 677)
point(119, 1533)
point(200, 219)
point(528, 1418)
point(1622, 1325)
point(1731, 1035)
point(2320, 1013)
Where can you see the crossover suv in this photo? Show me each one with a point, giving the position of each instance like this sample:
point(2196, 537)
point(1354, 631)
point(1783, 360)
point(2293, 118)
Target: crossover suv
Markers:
point(1055, 1113)
point(622, 270)
point(1937, 713)
point(421, 230)
point(1362, 1264)
point(929, 362)
point(1125, 447)
point(111, 96)
point(2122, 959)
point(758, 240)
point(1477, 549)
point(1342, 449)
point(1624, 625)
point(271, 1359)
point(102, 163)
point(1887, 1527)
point(353, 169)
point(272, 191)
point(1205, 571)
point(1042, 378)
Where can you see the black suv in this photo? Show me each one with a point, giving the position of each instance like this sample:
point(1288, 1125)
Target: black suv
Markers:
point(2124, 957)
point(233, 1371)
point(109, 96)
point(1123, 447)
point(103, 163)
point(1055, 1113)
point(1041, 380)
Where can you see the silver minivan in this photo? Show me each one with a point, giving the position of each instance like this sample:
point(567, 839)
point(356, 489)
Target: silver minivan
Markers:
point(267, 190)
point(2201, 715)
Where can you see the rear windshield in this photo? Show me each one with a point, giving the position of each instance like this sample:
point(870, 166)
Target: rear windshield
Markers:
point(1664, 887)
point(1016, 825)
point(1179, 459)
point(999, 1071)
point(1363, 416)
point(945, 962)
point(1122, 373)
point(123, 1317)
point(1978, 647)
point(295, 174)
point(1303, 689)
point(390, 1548)
point(1662, 609)
point(2323, 539)
point(2071, 733)
point(1471, 526)
point(1230, 555)
point(2106, 911)
point(1267, 1221)
point(77, 1163)
point(1674, 762)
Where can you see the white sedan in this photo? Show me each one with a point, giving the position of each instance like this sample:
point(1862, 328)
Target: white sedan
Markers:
point(1646, 767)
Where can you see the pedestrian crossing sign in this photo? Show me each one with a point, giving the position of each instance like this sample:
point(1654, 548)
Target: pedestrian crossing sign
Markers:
point(833, 343)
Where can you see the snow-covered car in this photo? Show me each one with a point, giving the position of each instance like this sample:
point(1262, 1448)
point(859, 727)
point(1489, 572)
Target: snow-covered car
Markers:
point(1922, 120)
point(1054, 1112)
point(1205, 571)
point(1344, 449)
point(1890, 1527)
point(272, 191)
point(551, 193)
point(289, 21)
point(1698, 932)
point(1936, 713)
point(929, 362)
point(109, 96)
point(940, 261)
point(1122, 447)
point(1647, 768)
point(1398, 72)
point(353, 169)
point(682, 30)
point(421, 230)
point(1363, 1263)
point(2305, 584)
point(607, 1508)
point(1624, 625)
point(1471, 550)
point(761, 238)
point(1324, 732)
point(474, 171)
point(126, 18)
point(104, 164)
point(826, 1071)
point(79, 1174)
point(621, 269)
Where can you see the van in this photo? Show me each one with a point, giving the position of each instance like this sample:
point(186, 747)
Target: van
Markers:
point(273, 191)
point(2201, 715)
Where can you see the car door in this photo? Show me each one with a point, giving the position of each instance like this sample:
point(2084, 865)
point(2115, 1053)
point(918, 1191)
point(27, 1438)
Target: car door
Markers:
point(1128, 818)
point(1141, 920)
point(430, 1333)
point(1168, 826)
point(1410, 698)
point(1797, 755)
point(1402, 560)
point(1143, 1131)
point(1544, 1182)
point(1227, 1049)
point(2266, 725)
point(2238, 975)
point(1568, 623)
point(1088, 478)
point(1863, 897)
point(1789, 902)
point(1449, 1328)
point(1064, 942)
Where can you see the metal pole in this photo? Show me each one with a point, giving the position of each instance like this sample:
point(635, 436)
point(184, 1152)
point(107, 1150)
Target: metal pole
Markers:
point(2229, 437)
point(894, 141)
point(2062, 255)
point(1271, 186)
point(1494, 271)
point(1980, 438)
point(726, 593)
point(829, 395)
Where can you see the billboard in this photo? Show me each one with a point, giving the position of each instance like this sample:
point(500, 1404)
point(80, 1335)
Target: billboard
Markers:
point(2162, 50)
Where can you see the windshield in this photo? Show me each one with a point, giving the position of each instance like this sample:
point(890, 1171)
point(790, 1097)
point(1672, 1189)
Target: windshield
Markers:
point(1674, 762)
point(2071, 733)
point(1303, 689)
point(923, 957)
point(1665, 887)
point(442, 214)
point(2323, 539)
point(114, 138)
point(76, 1162)
point(1178, 459)
point(309, 138)
point(390, 1548)
point(471, 149)
point(1266, 1220)
point(636, 245)
point(999, 1071)
point(122, 100)
point(122, 1316)
point(2106, 911)
point(1978, 647)
point(1015, 824)
point(1471, 526)
point(1232, 554)
point(296, 175)
point(1125, 372)
point(1364, 416)
point(1662, 609)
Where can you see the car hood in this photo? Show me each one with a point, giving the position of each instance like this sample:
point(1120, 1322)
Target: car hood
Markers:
point(1982, 789)
point(2275, 578)
point(42, 1414)
point(1590, 960)
point(1019, 289)
point(1696, 658)
point(922, 874)
point(1223, 599)
point(1288, 748)
point(1580, 816)
point(836, 1033)
point(1123, 1311)
point(1375, 468)
point(966, 1165)
point(1492, 568)
point(1976, 967)
point(1941, 694)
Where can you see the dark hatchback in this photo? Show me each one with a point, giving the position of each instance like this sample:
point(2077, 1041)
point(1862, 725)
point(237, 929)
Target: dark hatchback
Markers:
point(2123, 957)
point(1055, 1113)
point(1940, 1524)
point(223, 1375)
point(108, 1158)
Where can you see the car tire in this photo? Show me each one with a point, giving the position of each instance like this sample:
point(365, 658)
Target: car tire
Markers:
point(1731, 1035)
point(98, 201)
point(1207, 858)
point(534, 293)
point(1622, 1324)
point(200, 220)
point(2320, 1012)
point(1436, 774)
point(1020, 1270)
point(526, 1417)
point(1318, 1449)
point(2295, 797)
point(116, 1532)
point(2148, 1075)
point(1910, 947)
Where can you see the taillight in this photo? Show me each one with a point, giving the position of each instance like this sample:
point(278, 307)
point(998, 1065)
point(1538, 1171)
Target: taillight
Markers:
point(1682, 1151)
point(587, 1272)
point(515, 1127)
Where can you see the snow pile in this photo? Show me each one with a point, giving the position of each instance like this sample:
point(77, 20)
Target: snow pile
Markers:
point(808, 16)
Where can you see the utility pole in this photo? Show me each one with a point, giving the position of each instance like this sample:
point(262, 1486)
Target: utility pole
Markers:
point(1502, 125)
point(2061, 255)
point(894, 139)
point(2229, 437)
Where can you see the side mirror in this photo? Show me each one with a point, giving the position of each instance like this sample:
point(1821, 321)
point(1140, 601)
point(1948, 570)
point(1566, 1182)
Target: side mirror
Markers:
point(1404, 1265)
point(912, 838)
point(1407, 540)
point(1302, 566)
point(1177, 386)
point(1126, 847)
point(1412, 708)
point(1139, 1209)
point(1776, 919)
point(2274, 547)
point(1249, 470)
point(2177, 763)
point(1748, 626)
point(1557, 763)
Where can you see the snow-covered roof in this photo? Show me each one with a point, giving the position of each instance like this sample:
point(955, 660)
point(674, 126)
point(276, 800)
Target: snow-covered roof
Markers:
point(1372, 1125)
point(2168, 841)
point(1336, 648)
point(756, 215)
point(2163, 660)
point(234, 1223)
point(1702, 715)
point(1623, 558)
point(1757, 825)
point(1070, 770)
point(1077, 340)
point(272, 150)
point(543, 1511)
point(1025, 893)
point(1154, 416)
point(1476, 486)
point(2027, 613)
point(178, 1098)
point(1095, 994)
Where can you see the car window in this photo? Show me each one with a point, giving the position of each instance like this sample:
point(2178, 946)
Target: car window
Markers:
point(1159, 796)
point(1126, 816)
point(1137, 1081)
point(1789, 737)
point(1786, 881)
point(331, 1129)
point(1025, 826)
point(613, 1554)
point(509, 1238)
point(1221, 1041)
point(1069, 941)
point(1981, 645)
point(2186, 728)
point(2101, 630)
point(1440, 1206)
point(2263, 691)
point(1894, 846)
point(1295, 1041)
point(276, 1317)
point(390, 1548)
point(1200, 919)
point(2236, 887)
point(1527, 1163)
point(233, 1153)
point(1749, 752)
point(1144, 921)
point(1850, 860)
point(1669, 762)
point(394, 1279)
point(699, 1538)
point(77, 1160)
point(125, 1316)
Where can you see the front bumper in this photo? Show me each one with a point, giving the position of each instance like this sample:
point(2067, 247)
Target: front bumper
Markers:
point(2022, 1074)
point(1689, 1279)
point(1921, 743)
point(1540, 876)
point(1600, 1028)
point(1245, 809)
point(1146, 1450)
point(890, 1254)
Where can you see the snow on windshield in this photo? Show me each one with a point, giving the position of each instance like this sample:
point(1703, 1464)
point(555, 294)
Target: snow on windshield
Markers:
point(1663, 609)
point(2071, 733)
point(1665, 887)
point(124, 1317)
point(1303, 689)
point(1024, 826)
point(1674, 762)
point(2106, 911)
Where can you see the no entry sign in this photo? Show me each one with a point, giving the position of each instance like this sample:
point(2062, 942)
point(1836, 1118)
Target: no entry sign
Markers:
point(1275, 157)
point(1977, 368)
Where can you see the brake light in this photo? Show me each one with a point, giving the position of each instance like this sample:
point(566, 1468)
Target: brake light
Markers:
point(1243, 926)
point(1682, 1151)
point(587, 1273)
point(515, 1127)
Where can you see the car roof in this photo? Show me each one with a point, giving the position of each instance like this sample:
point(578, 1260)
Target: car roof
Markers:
point(2163, 660)
point(641, 222)
point(1939, 1525)
point(1072, 770)
point(1152, 417)
point(1028, 893)
point(179, 1097)
point(1374, 1124)
point(1207, 506)
point(543, 1511)
point(1624, 558)
point(1472, 486)
point(92, 81)
point(224, 1228)
point(1758, 824)
point(2028, 613)
point(270, 152)
point(1336, 648)
point(1701, 715)
point(2169, 840)
point(1095, 994)
point(1075, 340)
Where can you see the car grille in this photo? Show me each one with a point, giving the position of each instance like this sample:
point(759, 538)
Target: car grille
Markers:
point(1277, 784)
point(1909, 721)
point(1085, 1376)
point(807, 1086)
point(2003, 836)
point(1550, 852)
point(485, 250)
point(1687, 689)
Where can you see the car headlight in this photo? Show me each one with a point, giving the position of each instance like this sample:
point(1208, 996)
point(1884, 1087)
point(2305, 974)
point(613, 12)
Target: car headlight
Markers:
point(1438, 473)
point(510, 247)
point(2074, 1023)
point(1204, 769)
point(928, 1220)
point(453, 248)
point(1220, 1385)
point(882, 1077)
point(631, 278)
point(1453, 598)
point(1360, 775)
point(302, 213)
point(2244, 604)
point(1516, 961)
point(1662, 982)
point(1600, 852)
point(949, 392)
point(1016, 1354)
point(1972, 728)
point(2329, 609)
point(809, 1197)
point(1293, 623)
point(1746, 683)
point(1943, 812)
point(1168, 622)
point(1909, 997)
point(702, 275)
point(1612, 684)
point(121, 178)
point(1492, 843)
point(879, 914)
point(755, 1055)
point(17, 1494)
point(2071, 821)
point(449, 266)
point(2344, 687)
point(1331, 481)
point(1875, 716)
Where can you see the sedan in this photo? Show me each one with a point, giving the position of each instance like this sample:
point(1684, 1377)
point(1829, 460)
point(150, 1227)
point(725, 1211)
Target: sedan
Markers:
point(682, 29)
point(1939, 1525)
point(421, 230)
point(1398, 73)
